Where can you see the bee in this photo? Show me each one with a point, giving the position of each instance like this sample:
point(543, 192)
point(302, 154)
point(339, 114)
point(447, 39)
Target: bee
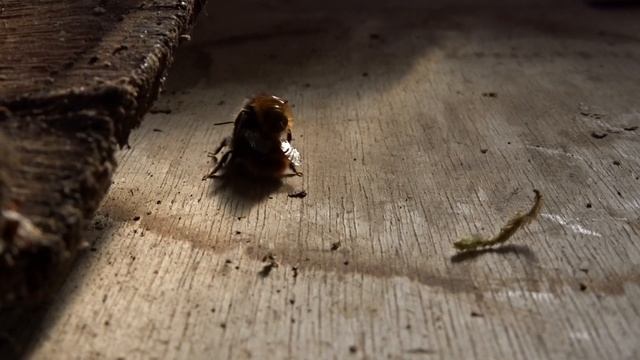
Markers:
point(260, 144)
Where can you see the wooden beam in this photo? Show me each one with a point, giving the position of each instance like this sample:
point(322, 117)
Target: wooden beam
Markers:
point(75, 78)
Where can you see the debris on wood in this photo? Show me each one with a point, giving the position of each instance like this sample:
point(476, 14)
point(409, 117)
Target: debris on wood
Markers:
point(476, 241)
point(271, 264)
point(631, 128)
point(335, 246)
point(268, 257)
point(490, 94)
point(590, 112)
point(591, 115)
point(223, 123)
point(299, 194)
point(598, 135)
point(583, 286)
point(266, 270)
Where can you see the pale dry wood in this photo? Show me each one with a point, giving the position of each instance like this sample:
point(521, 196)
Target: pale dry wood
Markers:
point(391, 121)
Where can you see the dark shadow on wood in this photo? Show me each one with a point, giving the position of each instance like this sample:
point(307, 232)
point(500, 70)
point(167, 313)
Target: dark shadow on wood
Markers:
point(519, 250)
point(19, 328)
point(235, 184)
point(614, 4)
point(22, 325)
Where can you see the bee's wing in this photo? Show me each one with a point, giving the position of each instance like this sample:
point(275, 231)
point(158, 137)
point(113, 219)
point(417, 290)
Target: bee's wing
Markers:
point(242, 121)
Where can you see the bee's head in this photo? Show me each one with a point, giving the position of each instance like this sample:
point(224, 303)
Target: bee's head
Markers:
point(273, 113)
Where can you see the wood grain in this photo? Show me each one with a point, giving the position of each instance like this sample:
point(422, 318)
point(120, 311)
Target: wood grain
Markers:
point(393, 114)
point(75, 77)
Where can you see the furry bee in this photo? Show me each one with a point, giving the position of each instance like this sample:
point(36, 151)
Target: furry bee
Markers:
point(261, 141)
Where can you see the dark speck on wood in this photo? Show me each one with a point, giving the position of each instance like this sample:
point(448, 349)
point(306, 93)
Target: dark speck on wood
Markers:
point(420, 351)
point(266, 270)
point(583, 287)
point(271, 264)
point(300, 194)
point(598, 135)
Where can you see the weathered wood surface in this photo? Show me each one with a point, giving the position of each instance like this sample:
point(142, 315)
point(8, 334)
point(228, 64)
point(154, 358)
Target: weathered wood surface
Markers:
point(395, 106)
point(75, 78)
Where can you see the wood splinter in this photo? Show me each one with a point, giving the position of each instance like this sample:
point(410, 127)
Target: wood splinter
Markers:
point(476, 241)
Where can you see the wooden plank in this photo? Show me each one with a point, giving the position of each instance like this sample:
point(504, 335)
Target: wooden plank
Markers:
point(75, 78)
point(98, 55)
point(393, 110)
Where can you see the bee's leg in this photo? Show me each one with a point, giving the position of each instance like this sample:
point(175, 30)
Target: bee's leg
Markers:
point(223, 161)
point(289, 136)
point(225, 142)
point(295, 171)
point(214, 158)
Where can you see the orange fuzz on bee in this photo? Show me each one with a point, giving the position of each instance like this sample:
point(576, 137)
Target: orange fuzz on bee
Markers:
point(261, 141)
